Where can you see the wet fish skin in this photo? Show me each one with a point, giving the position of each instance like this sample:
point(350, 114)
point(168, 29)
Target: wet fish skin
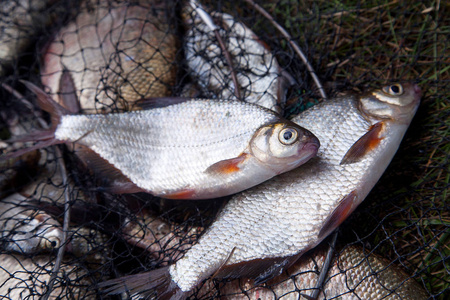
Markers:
point(26, 230)
point(265, 229)
point(354, 274)
point(24, 277)
point(257, 70)
point(196, 149)
point(116, 53)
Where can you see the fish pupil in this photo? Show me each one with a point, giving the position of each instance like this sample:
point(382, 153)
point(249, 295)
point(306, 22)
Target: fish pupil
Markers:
point(287, 135)
point(395, 89)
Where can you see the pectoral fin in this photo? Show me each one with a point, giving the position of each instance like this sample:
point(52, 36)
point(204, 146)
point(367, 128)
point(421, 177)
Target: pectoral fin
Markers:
point(365, 144)
point(180, 195)
point(340, 213)
point(227, 166)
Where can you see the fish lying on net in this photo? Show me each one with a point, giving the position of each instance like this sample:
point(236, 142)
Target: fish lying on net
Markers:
point(19, 21)
point(116, 53)
point(23, 229)
point(23, 277)
point(265, 229)
point(257, 70)
point(354, 274)
point(192, 149)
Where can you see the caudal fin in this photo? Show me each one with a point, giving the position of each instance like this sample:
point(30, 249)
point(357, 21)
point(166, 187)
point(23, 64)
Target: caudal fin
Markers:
point(42, 138)
point(157, 282)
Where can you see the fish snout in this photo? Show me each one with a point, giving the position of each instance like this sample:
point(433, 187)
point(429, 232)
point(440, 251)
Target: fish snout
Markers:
point(310, 141)
point(417, 91)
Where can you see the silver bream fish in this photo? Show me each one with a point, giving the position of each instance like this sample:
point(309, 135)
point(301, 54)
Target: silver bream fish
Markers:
point(257, 70)
point(262, 231)
point(354, 274)
point(194, 149)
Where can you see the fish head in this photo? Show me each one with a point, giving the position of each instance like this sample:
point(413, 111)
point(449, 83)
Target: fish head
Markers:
point(397, 102)
point(282, 146)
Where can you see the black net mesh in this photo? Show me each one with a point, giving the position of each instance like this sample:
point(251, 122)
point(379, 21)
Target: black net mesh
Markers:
point(119, 52)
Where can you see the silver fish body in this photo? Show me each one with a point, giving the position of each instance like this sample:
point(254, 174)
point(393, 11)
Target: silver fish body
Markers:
point(27, 230)
point(354, 274)
point(257, 70)
point(263, 230)
point(195, 149)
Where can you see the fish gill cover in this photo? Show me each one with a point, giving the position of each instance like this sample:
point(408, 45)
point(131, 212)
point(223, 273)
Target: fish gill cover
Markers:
point(61, 234)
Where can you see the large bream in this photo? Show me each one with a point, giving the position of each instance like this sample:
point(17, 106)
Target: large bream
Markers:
point(263, 230)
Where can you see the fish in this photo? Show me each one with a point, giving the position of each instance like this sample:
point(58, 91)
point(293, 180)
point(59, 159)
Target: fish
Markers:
point(25, 277)
point(183, 149)
point(26, 230)
point(258, 72)
point(116, 53)
point(262, 231)
point(355, 273)
point(20, 21)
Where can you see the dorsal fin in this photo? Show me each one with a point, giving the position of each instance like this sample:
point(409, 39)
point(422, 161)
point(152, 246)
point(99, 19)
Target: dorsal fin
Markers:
point(158, 102)
point(67, 92)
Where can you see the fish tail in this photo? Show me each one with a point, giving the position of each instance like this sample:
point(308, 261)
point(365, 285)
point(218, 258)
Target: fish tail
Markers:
point(43, 138)
point(157, 282)
point(46, 103)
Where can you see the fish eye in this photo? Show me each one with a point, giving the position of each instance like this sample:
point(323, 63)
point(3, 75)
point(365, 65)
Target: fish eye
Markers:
point(394, 90)
point(52, 242)
point(288, 136)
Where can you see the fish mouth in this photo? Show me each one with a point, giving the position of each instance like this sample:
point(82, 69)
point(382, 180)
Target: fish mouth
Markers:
point(308, 151)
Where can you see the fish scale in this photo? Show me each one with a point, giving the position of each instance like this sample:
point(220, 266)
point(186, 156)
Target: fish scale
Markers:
point(282, 216)
point(179, 148)
point(263, 230)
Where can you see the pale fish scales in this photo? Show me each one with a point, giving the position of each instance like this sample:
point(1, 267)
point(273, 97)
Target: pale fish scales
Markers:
point(354, 274)
point(27, 230)
point(169, 150)
point(116, 53)
point(288, 215)
point(257, 70)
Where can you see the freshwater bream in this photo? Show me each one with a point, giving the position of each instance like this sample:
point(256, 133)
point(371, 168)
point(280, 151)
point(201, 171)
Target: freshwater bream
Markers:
point(263, 230)
point(257, 70)
point(189, 149)
point(354, 274)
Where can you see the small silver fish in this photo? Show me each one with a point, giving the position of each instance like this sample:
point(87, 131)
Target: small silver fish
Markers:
point(194, 149)
point(116, 53)
point(27, 230)
point(354, 274)
point(257, 70)
point(262, 231)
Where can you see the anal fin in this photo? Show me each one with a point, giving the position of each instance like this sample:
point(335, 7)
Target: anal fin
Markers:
point(364, 144)
point(340, 213)
point(117, 182)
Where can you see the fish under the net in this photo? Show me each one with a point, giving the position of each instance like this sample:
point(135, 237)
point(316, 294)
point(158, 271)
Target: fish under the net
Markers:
point(352, 46)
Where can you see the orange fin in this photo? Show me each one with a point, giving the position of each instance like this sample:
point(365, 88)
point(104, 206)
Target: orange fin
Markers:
point(365, 144)
point(227, 166)
point(116, 181)
point(67, 92)
point(182, 194)
point(340, 213)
